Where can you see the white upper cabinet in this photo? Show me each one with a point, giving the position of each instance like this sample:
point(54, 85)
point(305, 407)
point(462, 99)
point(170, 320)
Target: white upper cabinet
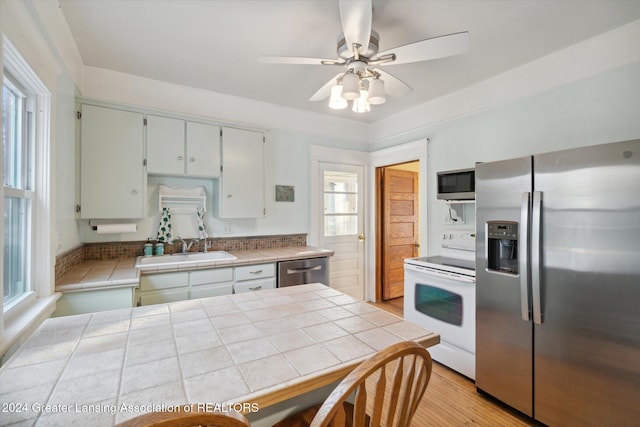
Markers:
point(176, 147)
point(242, 182)
point(203, 150)
point(113, 180)
point(165, 145)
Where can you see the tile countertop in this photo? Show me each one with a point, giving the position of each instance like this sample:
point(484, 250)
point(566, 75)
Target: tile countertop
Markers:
point(123, 272)
point(260, 347)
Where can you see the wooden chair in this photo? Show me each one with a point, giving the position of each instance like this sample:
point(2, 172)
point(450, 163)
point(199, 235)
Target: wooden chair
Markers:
point(187, 419)
point(388, 389)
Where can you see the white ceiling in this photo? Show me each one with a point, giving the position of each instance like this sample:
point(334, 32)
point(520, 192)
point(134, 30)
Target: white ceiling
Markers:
point(213, 44)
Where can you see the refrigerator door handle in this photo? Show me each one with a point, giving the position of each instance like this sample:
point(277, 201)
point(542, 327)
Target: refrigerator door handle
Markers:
point(536, 236)
point(523, 262)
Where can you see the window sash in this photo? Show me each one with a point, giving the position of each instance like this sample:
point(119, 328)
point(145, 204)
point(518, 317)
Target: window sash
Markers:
point(17, 249)
point(340, 203)
point(18, 138)
point(18, 196)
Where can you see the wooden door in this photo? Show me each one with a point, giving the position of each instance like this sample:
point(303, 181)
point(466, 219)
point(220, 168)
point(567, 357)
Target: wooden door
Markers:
point(399, 228)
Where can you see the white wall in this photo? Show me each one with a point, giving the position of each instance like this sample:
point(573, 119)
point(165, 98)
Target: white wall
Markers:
point(582, 95)
point(603, 53)
point(597, 110)
point(40, 33)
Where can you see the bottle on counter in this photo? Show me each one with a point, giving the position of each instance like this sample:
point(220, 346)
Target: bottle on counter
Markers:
point(159, 248)
point(148, 248)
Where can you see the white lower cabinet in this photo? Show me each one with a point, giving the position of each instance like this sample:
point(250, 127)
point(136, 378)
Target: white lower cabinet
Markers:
point(213, 290)
point(254, 285)
point(164, 287)
point(92, 301)
point(254, 277)
point(211, 283)
point(164, 296)
point(158, 288)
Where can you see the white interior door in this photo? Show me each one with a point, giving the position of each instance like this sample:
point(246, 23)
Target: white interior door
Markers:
point(342, 225)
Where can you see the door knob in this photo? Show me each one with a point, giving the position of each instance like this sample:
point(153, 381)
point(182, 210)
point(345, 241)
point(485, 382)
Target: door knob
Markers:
point(361, 237)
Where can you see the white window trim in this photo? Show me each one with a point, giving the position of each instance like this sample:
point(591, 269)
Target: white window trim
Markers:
point(22, 317)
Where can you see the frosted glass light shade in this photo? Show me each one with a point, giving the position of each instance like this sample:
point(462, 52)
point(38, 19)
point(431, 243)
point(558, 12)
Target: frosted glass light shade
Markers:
point(336, 101)
point(376, 92)
point(361, 105)
point(350, 86)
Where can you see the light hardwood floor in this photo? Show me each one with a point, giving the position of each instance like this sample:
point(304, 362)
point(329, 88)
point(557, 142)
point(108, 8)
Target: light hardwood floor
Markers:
point(452, 400)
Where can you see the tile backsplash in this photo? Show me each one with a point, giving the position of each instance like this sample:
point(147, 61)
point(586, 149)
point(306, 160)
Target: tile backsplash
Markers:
point(109, 250)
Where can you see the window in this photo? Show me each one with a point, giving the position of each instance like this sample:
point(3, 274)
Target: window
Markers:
point(340, 203)
point(18, 192)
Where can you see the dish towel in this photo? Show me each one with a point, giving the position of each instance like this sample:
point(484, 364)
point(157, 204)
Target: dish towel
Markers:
point(202, 230)
point(164, 229)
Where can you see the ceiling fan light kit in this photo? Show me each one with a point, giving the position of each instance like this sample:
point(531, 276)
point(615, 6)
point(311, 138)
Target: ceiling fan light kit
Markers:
point(336, 101)
point(376, 92)
point(350, 86)
point(358, 51)
point(360, 105)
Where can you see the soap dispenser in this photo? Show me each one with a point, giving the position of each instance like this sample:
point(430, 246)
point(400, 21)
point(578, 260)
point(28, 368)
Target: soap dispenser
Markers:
point(148, 248)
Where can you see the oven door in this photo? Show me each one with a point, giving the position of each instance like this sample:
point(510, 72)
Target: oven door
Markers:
point(443, 302)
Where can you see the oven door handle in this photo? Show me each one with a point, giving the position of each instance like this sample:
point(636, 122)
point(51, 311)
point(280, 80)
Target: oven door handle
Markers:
point(441, 274)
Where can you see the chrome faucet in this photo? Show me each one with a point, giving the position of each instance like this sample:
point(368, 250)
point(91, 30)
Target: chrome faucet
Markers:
point(206, 245)
point(185, 246)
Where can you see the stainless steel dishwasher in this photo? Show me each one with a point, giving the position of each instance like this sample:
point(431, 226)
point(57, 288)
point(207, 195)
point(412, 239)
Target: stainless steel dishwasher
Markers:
point(302, 271)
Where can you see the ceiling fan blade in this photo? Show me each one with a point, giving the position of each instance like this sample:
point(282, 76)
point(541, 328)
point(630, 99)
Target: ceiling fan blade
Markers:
point(298, 60)
point(356, 18)
point(325, 90)
point(393, 85)
point(437, 47)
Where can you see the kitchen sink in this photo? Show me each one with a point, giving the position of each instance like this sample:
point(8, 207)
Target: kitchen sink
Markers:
point(211, 256)
point(188, 258)
point(163, 259)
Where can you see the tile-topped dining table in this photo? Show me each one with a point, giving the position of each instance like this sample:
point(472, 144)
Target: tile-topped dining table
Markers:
point(258, 348)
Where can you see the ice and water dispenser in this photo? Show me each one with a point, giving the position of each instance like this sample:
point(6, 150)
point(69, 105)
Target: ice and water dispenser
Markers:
point(502, 246)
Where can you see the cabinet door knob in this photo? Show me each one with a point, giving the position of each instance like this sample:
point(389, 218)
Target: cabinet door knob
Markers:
point(228, 196)
point(134, 191)
point(180, 158)
point(192, 159)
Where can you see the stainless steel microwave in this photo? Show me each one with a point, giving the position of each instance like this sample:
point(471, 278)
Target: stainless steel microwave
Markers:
point(457, 185)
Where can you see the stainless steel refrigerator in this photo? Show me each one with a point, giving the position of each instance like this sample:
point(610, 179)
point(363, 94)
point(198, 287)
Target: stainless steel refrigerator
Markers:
point(558, 284)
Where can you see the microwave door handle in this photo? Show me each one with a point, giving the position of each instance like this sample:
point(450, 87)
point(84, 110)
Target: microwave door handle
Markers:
point(536, 237)
point(523, 263)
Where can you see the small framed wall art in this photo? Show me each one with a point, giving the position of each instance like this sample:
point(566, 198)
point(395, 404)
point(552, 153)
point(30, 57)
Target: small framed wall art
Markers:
point(285, 193)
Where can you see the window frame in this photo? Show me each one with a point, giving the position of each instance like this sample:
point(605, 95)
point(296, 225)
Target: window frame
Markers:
point(25, 191)
point(23, 316)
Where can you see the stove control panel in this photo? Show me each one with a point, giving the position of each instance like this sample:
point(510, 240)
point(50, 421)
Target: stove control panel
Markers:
point(459, 239)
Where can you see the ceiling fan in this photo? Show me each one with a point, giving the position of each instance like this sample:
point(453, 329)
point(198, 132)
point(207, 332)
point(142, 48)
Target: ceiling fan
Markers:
point(364, 82)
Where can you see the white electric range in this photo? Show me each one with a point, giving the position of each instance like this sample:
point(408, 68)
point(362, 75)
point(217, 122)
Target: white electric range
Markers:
point(440, 295)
